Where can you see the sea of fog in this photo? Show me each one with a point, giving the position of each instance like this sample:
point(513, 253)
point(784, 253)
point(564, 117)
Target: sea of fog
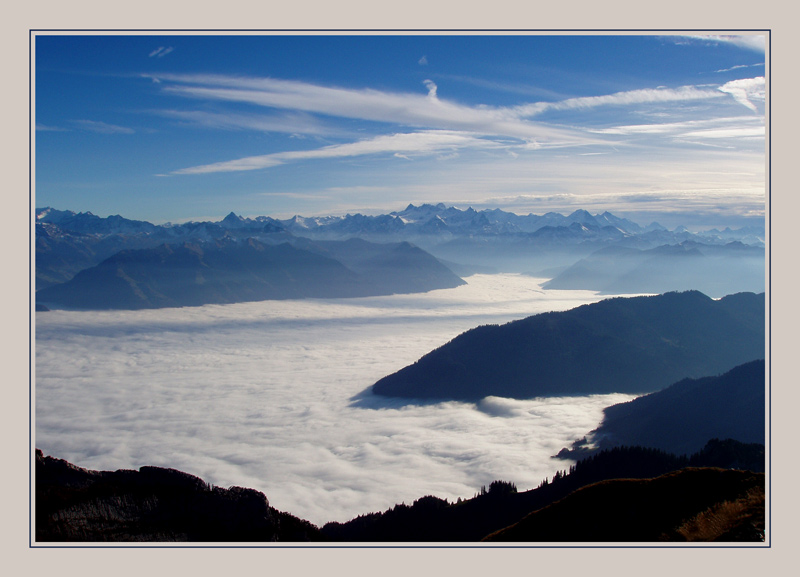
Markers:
point(268, 395)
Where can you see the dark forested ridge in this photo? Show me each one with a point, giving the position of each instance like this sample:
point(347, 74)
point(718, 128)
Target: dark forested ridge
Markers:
point(622, 345)
point(230, 271)
point(156, 504)
point(681, 417)
point(691, 504)
point(434, 519)
point(153, 504)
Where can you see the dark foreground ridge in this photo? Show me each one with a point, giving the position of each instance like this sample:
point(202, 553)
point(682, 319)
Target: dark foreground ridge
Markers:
point(690, 504)
point(153, 504)
point(156, 504)
point(620, 345)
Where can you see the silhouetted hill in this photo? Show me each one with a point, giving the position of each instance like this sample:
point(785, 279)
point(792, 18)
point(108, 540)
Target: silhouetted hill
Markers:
point(680, 418)
point(434, 519)
point(153, 504)
point(156, 504)
point(706, 504)
point(227, 271)
point(624, 345)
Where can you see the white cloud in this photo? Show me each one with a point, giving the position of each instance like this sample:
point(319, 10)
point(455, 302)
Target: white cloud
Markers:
point(746, 90)
point(259, 395)
point(679, 127)
point(628, 98)
point(367, 104)
point(423, 61)
point(754, 42)
point(429, 84)
point(160, 52)
point(415, 143)
point(296, 124)
point(738, 66)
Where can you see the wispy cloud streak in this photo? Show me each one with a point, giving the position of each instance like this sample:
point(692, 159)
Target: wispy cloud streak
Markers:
point(654, 95)
point(438, 125)
point(160, 52)
point(291, 123)
point(401, 145)
point(102, 127)
point(424, 111)
point(755, 42)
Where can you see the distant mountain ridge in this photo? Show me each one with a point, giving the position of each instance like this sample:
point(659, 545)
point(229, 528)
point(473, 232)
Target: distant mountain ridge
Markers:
point(67, 241)
point(231, 271)
point(619, 345)
point(711, 269)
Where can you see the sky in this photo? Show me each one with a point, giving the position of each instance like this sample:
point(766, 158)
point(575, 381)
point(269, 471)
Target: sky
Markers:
point(269, 395)
point(191, 127)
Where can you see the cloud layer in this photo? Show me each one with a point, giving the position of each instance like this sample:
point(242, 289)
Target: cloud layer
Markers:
point(261, 395)
point(423, 125)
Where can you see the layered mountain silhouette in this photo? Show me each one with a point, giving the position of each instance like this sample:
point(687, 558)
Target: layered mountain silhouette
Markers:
point(621, 345)
point(712, 269)
point(680, 418)
point(67, 242)
point(230, 271)
point(598, 496)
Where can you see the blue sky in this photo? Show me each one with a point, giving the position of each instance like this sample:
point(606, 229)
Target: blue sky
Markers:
point(191, 127)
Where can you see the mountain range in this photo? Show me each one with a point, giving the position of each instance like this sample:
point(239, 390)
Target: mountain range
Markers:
point(619, 345)
point(468, 240)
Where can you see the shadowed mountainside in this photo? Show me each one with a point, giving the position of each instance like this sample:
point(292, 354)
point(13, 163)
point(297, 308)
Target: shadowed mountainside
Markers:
point(620, 345)
point(681, 417)
point(227, 271)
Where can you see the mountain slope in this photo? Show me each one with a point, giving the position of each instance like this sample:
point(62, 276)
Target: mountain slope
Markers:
point(682, 417)
point(625, 345)
point(228, 271)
